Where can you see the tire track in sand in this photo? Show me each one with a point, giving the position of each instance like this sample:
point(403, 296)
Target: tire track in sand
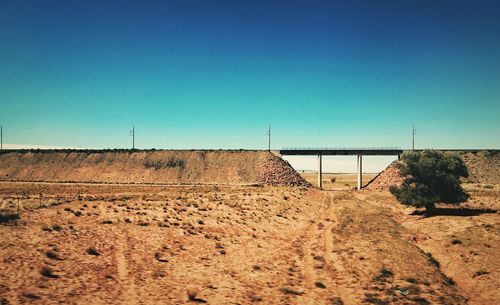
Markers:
point(128, 290)
point(317, 239)
point(333, 260)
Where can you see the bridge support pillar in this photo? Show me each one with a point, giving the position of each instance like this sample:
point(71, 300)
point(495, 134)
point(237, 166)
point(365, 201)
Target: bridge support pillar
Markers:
point(360, 171)
point(320, 172)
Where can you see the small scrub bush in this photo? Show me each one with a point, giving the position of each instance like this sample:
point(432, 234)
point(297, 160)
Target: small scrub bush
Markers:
point(192, 296)
point(480, 272)
point(53, 255)
point(30, 296)
point(432, 260)
point(48, 272)
point(159, 257)
point(158, 164)
point(420, 300)
point(319, 285)
point(93, 251)
point(8, 217)
point(46, 228)
point(383, 275)
point(336, 301)
point(287, 290)
point(386, 272)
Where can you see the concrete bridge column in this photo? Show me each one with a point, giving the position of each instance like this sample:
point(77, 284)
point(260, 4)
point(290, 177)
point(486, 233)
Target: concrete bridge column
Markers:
point(320, 172)
point(360, 171)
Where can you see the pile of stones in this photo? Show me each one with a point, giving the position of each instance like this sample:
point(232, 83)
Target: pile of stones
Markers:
point(383, 181)
point(278, 172)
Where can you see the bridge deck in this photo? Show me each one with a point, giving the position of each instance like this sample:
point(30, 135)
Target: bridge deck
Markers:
point(369, 151)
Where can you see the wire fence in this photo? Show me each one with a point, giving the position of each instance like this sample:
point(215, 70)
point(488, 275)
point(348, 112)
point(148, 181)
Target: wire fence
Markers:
point(12, 206)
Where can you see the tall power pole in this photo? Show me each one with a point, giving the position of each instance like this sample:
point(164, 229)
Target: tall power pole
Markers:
point(269, 135)
point(132, 133)
point(1, 137)
point(413, 131)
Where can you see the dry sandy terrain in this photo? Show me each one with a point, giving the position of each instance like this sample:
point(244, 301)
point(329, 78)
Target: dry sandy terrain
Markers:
point(337, 181)
point(140, 244)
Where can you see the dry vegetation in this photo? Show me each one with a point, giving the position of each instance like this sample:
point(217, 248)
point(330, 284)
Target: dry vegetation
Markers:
point(92, 243)
point(104, 243)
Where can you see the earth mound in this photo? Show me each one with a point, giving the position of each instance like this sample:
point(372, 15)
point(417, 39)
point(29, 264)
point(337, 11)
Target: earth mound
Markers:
point(385, 179)
point(231, 167)
point(276, 171)
point(483, 167)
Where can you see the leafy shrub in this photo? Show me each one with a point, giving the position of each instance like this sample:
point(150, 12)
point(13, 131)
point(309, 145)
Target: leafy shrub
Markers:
point(430, 177)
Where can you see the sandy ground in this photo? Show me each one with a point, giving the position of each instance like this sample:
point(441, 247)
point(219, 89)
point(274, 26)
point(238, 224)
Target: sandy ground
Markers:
point(132, 244)
point(337, 181)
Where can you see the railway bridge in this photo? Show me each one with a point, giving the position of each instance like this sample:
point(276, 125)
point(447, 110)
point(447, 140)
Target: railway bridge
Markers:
point(360, 152)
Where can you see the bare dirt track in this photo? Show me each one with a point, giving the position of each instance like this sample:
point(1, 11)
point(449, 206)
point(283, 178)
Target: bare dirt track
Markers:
point(132, 244)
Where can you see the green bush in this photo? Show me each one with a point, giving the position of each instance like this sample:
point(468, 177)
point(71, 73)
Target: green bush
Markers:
point(430, 177)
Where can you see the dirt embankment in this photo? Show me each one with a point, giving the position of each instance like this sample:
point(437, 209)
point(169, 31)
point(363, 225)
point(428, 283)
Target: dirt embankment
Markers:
point(165, 166)
point(483, 167)
point(388, 177)
point(464, 240)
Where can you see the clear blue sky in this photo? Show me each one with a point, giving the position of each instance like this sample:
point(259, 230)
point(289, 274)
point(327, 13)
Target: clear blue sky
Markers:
point(214, 74)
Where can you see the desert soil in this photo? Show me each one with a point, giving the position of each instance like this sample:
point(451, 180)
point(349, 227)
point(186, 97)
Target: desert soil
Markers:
point(334, 181)
point(228, 167)
point(143, 244)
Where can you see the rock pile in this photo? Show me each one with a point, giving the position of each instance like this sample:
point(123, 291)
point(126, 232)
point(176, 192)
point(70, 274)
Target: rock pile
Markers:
point(277, 172)
point(390, 176)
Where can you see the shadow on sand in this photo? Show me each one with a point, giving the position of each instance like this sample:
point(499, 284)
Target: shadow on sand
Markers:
point(454, 212)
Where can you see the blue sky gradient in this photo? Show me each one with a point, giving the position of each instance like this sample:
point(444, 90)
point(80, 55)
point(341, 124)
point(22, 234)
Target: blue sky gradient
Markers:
point(215, 74)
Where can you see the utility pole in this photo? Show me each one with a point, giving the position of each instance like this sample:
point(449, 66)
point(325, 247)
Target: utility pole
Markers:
point(1, 137)
point(269, 135)
point(414, 131)
point(132, 133)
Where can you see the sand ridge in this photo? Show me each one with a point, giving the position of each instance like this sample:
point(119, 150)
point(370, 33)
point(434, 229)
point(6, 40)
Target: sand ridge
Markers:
point(231, 167)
